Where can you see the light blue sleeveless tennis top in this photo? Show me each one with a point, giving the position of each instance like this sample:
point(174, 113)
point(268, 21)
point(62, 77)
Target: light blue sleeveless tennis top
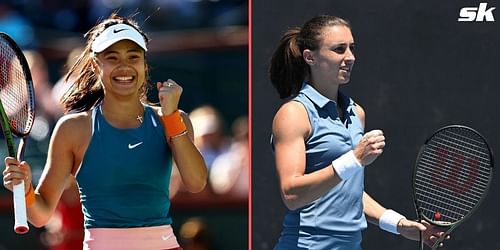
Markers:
point(335, 220)
point(125, 174)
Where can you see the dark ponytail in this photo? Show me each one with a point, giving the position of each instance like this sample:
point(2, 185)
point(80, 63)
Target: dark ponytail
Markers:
point(288, 69)
point(86, 90)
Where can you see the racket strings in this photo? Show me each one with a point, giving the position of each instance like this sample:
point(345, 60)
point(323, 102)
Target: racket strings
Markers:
point(452, 175)
point(462, 177)
point(437, 192)
point(465, 144)
point(15, 92)
point(471, 156)
point(475, 192)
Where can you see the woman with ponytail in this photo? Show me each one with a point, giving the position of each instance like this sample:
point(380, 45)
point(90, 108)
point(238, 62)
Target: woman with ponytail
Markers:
point(320, 145)
point(119, 149)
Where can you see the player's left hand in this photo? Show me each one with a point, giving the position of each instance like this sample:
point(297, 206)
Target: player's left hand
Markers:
point(169, 94)
point(411, 230)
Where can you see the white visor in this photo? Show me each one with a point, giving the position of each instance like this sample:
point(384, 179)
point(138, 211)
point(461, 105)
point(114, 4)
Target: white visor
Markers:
point(116, 33)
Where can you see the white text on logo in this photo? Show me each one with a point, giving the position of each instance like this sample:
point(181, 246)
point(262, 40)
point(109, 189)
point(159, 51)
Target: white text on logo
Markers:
point(478, 14)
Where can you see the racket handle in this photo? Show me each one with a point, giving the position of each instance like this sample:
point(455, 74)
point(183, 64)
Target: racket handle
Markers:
point(421, 238)
point(20, 218)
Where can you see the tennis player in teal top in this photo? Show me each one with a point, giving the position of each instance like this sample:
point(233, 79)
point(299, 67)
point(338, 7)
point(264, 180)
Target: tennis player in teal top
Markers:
point(320, 146)
point(119, 149)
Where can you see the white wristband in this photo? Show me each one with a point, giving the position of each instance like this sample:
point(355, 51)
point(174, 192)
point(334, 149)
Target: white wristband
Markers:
point(346, 165)
point(389, 221)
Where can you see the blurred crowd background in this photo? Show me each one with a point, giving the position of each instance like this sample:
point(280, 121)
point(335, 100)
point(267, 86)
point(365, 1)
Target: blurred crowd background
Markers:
point(201, 44)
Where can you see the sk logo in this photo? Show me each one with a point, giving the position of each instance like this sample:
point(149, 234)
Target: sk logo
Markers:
point(477, 14)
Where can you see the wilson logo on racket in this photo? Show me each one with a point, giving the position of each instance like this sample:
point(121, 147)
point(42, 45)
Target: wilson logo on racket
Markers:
point(461, 177)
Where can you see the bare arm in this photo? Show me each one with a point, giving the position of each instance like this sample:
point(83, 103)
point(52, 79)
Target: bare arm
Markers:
point(290, 129)
point(56, 172)
point(188, 158)
point(407, 228)
point(372, 209)
point(68, 140)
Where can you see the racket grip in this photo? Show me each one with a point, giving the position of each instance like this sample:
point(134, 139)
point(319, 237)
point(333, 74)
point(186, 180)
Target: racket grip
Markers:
point(20, 218)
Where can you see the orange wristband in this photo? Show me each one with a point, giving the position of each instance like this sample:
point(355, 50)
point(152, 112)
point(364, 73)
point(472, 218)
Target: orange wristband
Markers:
point(30, 196)
point(173, 124)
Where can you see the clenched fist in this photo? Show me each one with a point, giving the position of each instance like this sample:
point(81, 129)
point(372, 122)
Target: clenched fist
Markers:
point(370, 147)
point(169, 93)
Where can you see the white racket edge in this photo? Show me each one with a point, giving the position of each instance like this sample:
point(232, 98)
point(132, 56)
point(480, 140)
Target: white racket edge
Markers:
point(20, 218)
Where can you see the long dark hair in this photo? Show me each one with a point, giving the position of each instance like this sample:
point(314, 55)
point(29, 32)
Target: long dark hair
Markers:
point(288, 69)
point(86, 90)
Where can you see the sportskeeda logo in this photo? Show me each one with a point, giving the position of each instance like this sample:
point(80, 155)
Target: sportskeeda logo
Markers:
point(477, 14)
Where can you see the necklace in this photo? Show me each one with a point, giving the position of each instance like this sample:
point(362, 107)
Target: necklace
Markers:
point(140, 118)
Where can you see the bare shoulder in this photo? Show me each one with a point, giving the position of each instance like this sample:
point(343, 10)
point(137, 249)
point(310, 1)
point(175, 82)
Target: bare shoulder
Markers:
point(291, 110)
point(69, 140)
point(75, 120)
point(74, 125)
point(291, 117)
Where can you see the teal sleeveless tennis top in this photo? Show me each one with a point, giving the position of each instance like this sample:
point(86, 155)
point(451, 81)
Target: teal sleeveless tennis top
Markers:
point(335, 220)
point(125, 174)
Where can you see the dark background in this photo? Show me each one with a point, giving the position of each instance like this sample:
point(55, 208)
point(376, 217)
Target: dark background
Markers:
point(417, 69)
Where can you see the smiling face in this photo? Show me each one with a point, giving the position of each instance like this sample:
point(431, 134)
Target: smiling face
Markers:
point(122, 69)
point(333, 60)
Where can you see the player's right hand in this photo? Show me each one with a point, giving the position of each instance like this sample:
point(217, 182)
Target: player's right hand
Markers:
point(370, 147)
point(15, 172)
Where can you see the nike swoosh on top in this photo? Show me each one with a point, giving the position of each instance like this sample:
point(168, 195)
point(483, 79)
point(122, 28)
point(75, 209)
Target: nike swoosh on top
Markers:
point(132, 146)
point(119, 30)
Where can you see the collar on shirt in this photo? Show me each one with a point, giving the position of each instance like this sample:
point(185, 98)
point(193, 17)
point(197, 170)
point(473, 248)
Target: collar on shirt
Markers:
point(321, 100)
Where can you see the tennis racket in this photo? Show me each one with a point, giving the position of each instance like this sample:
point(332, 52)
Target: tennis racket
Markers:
point(452, 174)
point(17, 111)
